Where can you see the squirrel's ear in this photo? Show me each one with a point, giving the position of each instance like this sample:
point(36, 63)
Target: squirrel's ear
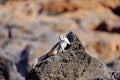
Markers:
point(62, 36)
point(59, 36)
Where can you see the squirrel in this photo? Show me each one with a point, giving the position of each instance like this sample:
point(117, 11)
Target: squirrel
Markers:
point(59, 47)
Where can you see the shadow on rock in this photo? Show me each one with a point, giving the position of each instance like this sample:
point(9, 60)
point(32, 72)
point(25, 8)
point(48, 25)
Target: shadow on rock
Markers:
point(25, 62)
point(8, 70)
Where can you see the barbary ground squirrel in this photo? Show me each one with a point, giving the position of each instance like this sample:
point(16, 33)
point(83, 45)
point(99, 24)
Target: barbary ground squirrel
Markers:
point(59, 47)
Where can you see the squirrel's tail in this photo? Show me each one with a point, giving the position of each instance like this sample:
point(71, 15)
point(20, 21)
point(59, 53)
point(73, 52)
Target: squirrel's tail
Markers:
point(43, 57)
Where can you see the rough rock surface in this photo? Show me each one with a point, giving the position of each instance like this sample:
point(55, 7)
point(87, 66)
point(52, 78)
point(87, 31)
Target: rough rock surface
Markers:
point(74, 64)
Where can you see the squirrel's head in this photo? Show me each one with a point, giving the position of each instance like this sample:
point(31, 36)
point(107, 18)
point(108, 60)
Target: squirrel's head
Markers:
point(62, 36)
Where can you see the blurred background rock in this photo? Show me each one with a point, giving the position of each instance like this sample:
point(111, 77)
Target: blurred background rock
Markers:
point(29, 28)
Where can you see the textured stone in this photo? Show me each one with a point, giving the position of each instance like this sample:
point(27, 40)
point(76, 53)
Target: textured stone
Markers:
point(74, 64)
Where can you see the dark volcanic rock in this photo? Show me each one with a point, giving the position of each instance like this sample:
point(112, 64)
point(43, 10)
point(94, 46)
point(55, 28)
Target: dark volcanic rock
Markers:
point(74, 64)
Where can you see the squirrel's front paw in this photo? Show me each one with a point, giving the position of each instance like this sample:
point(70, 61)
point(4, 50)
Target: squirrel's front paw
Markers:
point(63, 50)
